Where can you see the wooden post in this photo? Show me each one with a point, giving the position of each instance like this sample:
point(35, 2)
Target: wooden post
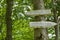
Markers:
point(55, 20)
point(39, 33)
point(59, 25)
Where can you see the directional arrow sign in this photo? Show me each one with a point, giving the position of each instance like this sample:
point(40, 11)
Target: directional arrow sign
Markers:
point(38, 12)
point(42, 24)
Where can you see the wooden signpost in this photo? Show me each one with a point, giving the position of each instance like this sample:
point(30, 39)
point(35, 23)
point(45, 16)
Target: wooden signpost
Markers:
point(40, 32)
point(59, 25)
point(42, 24)
point(39, 12)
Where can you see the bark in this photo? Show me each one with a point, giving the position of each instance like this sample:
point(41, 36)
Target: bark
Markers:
point(39, 33)
point(56, 20)
point(59, 27)
point(8, 19)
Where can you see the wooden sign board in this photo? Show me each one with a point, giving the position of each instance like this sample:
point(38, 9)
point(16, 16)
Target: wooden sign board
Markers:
point(38, 12)
point(42, 24)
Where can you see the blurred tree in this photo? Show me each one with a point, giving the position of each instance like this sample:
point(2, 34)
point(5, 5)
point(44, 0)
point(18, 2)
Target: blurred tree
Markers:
point(20, 22)
point(8, 19)
point(55, 19)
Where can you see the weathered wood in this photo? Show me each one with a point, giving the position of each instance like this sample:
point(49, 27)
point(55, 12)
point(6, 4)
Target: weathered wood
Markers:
point(59, 25)
point(38, 32)
point(42, 24)
point(56, 19)
point(39, 12)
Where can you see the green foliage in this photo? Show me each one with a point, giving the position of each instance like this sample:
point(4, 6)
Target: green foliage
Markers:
point(21, 30)
point(58, 7)
point(20, 22)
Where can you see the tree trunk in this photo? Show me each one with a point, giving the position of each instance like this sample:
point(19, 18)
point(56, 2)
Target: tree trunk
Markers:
point(8, 19)
point(39, 33)
point(56, 20)
point(59, 26)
